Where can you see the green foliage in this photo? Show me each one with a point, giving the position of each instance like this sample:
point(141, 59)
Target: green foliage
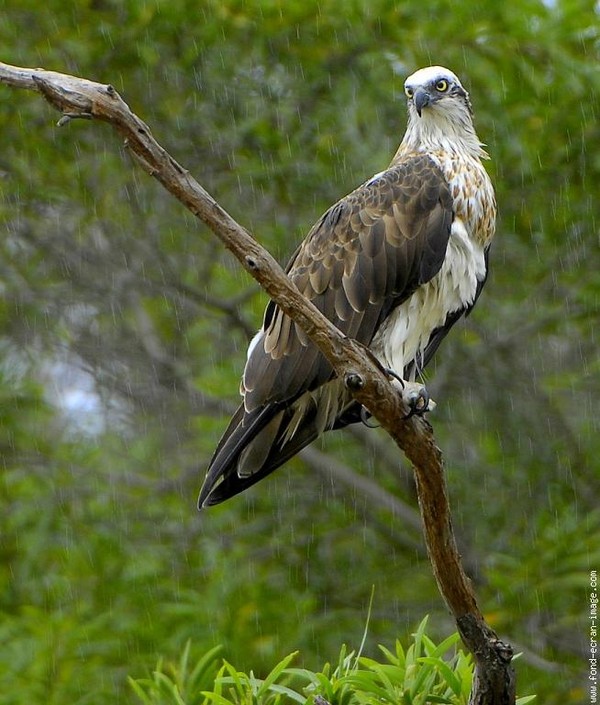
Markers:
point(181, 682)
point(123, 328)
point(421, 674)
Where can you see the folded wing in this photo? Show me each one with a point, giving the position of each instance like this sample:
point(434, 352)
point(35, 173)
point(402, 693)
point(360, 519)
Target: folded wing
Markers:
point(367, 254)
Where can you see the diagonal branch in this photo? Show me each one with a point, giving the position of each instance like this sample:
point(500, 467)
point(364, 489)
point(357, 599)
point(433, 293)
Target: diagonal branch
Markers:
point(80, 98)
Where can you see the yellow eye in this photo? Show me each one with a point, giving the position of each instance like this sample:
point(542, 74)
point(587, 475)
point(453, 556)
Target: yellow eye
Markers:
point(409, 92)
point(441, 85)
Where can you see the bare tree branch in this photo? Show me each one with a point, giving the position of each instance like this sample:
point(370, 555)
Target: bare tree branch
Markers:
point(80, 98)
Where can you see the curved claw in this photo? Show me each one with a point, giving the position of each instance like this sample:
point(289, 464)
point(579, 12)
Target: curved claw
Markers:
point(365, 417)
point(392, 373)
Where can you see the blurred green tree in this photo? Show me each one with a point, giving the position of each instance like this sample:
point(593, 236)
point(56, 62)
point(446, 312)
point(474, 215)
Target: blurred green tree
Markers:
point(123, 329)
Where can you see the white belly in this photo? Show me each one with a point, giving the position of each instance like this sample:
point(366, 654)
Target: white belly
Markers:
point(406, 332)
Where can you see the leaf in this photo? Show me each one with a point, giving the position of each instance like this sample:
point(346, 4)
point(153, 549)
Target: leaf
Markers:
point(203, 665)
point(443, 646)
point(447, 673)
point(137, 688)
point(275, 673)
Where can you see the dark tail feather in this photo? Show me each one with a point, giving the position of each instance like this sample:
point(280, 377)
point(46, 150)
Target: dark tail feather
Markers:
point(251, 448)
point(222, 480)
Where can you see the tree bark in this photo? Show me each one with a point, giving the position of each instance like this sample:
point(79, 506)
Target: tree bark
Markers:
point(494, 680)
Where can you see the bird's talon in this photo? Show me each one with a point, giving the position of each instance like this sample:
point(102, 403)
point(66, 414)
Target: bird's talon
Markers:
point(366, 416)
point(391, 373)
point(418, 401)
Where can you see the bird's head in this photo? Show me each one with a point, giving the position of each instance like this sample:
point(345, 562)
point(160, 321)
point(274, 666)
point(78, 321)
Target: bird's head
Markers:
point(439, 110)
point(437, 89)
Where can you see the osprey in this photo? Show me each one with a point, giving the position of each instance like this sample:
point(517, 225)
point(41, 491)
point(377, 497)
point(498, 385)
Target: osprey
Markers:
point(394, 265)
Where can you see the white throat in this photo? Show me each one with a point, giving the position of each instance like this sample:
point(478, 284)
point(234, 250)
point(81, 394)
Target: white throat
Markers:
point(449, 129)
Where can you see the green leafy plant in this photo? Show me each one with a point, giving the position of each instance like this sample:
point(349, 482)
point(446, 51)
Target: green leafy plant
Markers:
point(181, 682)
point(423, 673)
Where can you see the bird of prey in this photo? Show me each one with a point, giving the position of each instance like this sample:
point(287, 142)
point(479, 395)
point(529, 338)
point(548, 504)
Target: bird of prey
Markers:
point(393, 265)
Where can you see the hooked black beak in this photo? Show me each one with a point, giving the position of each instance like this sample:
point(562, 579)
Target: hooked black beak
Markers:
point(421, 99)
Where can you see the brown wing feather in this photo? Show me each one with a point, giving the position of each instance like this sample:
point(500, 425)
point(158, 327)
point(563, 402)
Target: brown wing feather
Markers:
point(365, 255)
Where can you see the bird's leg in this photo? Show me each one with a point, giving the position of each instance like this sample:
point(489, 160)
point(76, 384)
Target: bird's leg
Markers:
point(414, 395)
